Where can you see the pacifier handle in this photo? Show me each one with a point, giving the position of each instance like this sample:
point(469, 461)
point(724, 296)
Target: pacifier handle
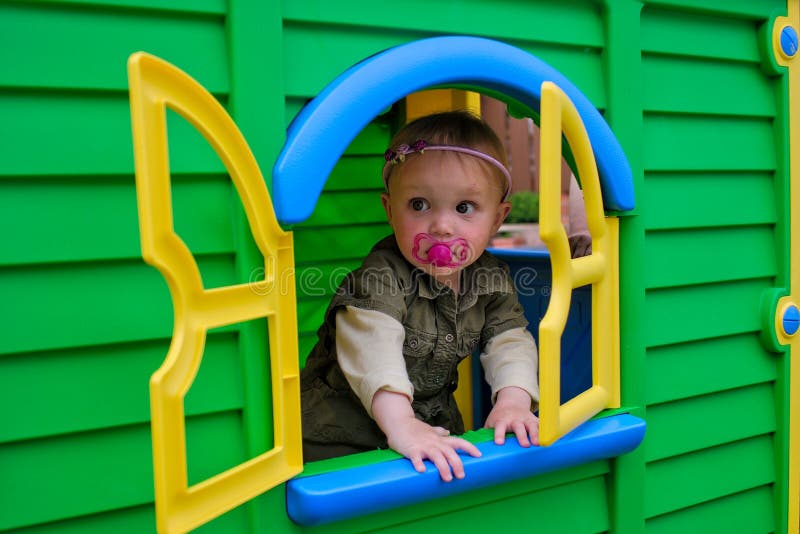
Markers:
point(440, 255)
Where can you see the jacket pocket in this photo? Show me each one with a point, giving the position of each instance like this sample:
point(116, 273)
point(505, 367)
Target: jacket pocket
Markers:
point(418, 343)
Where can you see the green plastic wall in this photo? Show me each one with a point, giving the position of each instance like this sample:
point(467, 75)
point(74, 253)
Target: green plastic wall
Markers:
point(85, 322)
point(712, 204)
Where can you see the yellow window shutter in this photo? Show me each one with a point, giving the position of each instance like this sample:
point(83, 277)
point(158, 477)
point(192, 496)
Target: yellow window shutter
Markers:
point(154, 86)
point(558, 114)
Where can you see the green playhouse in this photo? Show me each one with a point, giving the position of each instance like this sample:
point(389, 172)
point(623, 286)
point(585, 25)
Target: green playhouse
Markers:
point(236, 147)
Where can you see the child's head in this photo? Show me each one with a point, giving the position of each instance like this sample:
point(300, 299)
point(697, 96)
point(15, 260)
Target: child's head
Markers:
point(446, 187)
point(454, 130)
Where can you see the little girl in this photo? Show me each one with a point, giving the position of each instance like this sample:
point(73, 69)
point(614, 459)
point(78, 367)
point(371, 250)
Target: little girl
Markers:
point(384, 368)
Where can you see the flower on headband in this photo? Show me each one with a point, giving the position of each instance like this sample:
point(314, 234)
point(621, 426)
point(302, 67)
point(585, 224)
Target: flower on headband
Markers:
point(419, 145)
point(398, 155)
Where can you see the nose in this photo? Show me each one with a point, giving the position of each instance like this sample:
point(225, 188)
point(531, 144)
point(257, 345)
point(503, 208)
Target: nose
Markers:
point(441, 224)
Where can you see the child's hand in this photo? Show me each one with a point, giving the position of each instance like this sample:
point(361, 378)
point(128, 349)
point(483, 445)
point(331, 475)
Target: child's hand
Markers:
point(580, 244)
point(417, 440)
point(512, 413)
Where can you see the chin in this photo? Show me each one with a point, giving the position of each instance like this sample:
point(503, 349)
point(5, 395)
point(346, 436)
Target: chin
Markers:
point(440, 272)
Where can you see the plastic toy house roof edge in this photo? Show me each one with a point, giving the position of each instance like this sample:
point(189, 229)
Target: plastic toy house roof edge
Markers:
point(323, 129)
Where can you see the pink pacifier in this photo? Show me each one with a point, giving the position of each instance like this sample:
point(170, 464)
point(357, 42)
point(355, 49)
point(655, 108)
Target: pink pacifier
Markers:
point(429, 250)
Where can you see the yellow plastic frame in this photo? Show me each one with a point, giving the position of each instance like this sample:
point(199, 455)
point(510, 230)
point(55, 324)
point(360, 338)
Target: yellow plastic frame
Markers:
point(792, 63)
point(154, 86)
point(599, 269)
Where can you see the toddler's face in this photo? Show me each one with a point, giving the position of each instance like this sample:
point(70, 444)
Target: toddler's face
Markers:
point(445, 198)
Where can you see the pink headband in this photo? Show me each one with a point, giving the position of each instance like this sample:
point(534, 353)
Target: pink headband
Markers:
point(398, 155)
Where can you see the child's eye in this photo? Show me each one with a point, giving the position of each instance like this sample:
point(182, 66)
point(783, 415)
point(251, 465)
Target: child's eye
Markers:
point(465, 208)
point(419, 204)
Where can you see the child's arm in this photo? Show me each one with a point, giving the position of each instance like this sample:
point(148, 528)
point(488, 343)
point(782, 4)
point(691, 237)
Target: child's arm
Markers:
point(510, 363)
point(417, 440)
point(369, 349)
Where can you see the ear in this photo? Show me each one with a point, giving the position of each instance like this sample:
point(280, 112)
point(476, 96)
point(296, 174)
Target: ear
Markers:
point(502, 212)
point(387, 206)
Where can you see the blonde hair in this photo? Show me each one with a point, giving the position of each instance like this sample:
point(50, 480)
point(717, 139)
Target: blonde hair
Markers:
point(454, 128)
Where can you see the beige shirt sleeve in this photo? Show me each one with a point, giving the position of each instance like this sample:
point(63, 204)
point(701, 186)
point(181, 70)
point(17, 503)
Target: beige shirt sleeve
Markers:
point(369, 347)
point(511, 359)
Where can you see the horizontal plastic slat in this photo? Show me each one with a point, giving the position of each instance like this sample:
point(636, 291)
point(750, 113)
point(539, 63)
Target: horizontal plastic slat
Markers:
point(359, 172)
point(79, 474)
point(673, 84)
point(708, 199)
point(73, 47)
point(700, 422)
point(739, 9)
point(216, 7)
point(86, 134)
point(551, 509)
point(702, 476)
point(681, 33)
point(571, 22)
point(337, 243)
point(139, 518)
point(717, 364)
point(84, 219)
point(321, 280)
point(332, 50)
point(357, 207)
point(692, 256)
point(738, 143)
point(92, 388)
point(690, 313)
point(92, 304)
point(749, 511)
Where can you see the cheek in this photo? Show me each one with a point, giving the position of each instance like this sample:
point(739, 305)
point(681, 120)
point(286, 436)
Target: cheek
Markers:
point(402, 225)
point(405, 231)
point(481, 233)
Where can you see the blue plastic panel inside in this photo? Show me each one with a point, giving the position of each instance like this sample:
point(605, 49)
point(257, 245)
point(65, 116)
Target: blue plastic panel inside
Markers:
point(324, 498)
point(325, 127)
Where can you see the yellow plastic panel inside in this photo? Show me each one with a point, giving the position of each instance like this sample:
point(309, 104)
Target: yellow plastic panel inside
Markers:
point(600, 269)
point(154, 86)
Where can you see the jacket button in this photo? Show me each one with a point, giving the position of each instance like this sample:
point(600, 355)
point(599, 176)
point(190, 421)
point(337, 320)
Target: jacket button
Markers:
point(449, 338)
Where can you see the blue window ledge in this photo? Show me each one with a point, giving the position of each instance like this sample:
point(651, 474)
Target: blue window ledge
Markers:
point(357, 491)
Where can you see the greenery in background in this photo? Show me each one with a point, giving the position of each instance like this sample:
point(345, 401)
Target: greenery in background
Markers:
point(524, 207)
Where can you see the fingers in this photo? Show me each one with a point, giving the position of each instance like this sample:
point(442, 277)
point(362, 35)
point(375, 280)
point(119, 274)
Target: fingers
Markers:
point(525, 430)
point(519, 429)
point(466, 446)
point(533, 431)
point(443, 461)
point(500, 433)
point(445, 458)
point(417, 462)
